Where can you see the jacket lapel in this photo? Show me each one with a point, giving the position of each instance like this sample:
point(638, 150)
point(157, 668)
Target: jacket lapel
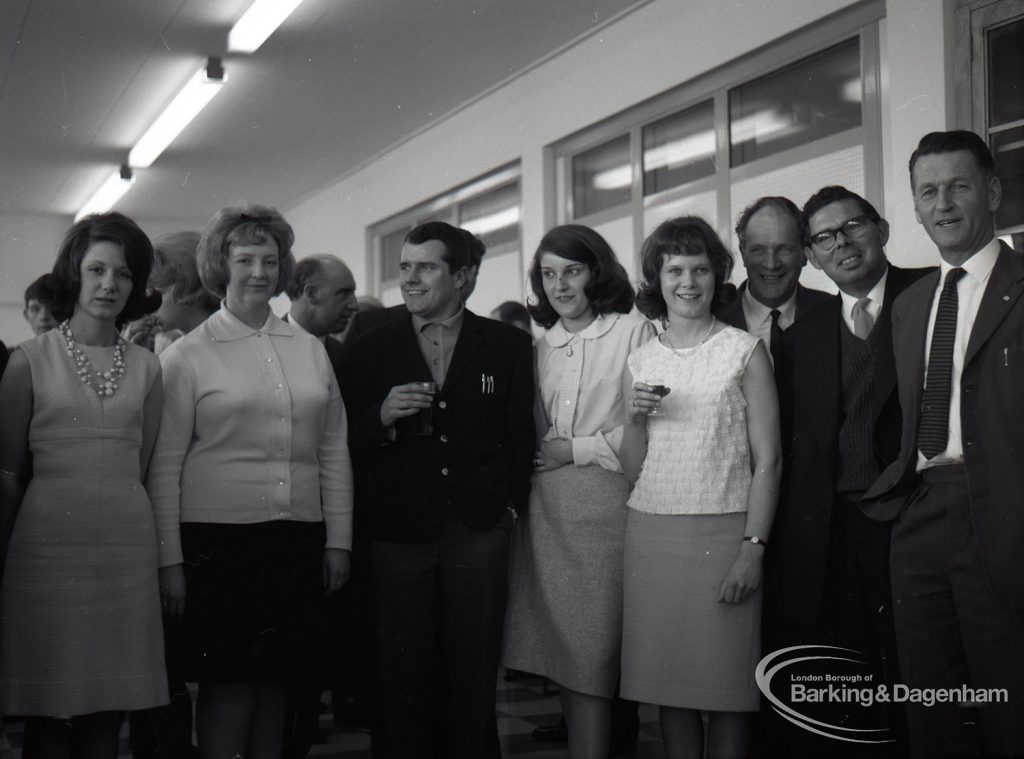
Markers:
point(1004, 288)
point(911, 346)
point(471, 337)
point(821, 396)
point(885, 360)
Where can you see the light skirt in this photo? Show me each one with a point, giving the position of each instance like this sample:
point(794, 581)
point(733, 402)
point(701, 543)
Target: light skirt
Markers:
point(681, 647)
point(564, 616)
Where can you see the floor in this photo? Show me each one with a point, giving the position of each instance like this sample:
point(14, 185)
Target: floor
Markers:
point(522, 706)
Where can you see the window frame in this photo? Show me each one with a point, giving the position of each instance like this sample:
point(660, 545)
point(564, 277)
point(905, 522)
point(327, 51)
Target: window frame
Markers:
point(441, 207)
point(861, 20)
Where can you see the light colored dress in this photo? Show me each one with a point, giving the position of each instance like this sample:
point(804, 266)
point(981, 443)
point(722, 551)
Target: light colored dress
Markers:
point(681, 647)
point(564, 615)
point(80, 625)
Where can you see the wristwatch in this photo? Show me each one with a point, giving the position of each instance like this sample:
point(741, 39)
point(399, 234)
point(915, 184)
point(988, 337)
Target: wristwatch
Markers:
point(755, 540)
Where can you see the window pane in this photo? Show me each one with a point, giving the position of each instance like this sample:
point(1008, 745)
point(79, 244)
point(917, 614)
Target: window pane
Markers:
point(1006, 73)
point(1008, 151)
point(391, 253)
point(493, 216)
point(602, 177)
point(808, 100)
point(679, 149)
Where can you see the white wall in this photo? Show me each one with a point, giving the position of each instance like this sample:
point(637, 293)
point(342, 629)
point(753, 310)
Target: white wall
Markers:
point(653, 49)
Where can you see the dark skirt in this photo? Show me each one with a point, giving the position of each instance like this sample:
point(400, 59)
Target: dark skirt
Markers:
point(254, 601)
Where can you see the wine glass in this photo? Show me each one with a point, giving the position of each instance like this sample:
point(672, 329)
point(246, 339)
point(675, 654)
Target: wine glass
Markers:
point(658, 387)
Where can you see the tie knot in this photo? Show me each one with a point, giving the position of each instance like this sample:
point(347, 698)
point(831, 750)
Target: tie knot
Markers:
point(862, 304)
point(953, 276)
point(775, 314)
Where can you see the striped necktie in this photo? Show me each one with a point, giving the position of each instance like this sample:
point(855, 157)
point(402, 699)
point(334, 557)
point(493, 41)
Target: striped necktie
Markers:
point(775, 335)
point(933, 431)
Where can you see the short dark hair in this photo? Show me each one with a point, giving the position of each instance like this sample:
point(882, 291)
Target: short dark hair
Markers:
point(461, 247)
point(934, 143)
point(608, 290)
point(138, 255)
point(785, 205)
point(684, 236)
point(827, 196)
point(175, 273)
point(243, 225)
point(41, 290)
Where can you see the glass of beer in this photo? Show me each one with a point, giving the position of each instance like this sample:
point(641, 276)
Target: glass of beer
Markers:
point(424, 420)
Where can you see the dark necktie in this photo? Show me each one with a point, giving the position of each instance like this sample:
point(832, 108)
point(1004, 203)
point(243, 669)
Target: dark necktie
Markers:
point(933, 431)
point(775, 335)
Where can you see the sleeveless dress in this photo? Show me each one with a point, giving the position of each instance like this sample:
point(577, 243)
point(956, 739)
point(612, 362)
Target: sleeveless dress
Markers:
point(681, 647)
point(564, 615)
point(80, 625)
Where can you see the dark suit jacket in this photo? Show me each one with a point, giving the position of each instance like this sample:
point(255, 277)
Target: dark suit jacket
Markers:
point(991, 417)
point(4, 356)
point(479, 459)
point(335, 352)
point(806, 301)
point(809, 374)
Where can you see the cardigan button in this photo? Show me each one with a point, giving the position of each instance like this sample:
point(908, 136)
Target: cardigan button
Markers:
point(442, 404)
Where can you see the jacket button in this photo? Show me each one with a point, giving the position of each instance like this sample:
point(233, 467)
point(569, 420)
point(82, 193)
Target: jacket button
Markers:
point(442, 404)
point(444, 438)
point(444, 471)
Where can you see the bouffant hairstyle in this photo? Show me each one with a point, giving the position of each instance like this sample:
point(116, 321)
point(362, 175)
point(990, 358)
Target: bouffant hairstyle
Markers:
point(608, 290)
point(684, 236)
point(935, 143)
point(175, 273)
point(827, 196)
point(243, 225)
point(66, 279)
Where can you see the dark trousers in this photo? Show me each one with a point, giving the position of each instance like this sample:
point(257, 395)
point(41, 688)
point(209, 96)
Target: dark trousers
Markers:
point(855, 613)
point(951, 630)
point(440, 607)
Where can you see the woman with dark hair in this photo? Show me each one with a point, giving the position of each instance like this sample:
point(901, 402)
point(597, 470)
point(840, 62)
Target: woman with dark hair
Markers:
point(707, 470)
point(564, 609)
point(80, 632)
point(252, 489)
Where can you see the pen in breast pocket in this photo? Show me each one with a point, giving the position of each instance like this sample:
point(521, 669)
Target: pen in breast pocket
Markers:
point(1006, 356)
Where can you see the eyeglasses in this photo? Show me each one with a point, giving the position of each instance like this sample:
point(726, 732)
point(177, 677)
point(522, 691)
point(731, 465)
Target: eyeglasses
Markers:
point(854, 229)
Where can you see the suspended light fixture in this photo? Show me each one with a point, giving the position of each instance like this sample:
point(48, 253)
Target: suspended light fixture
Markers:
point(111, 191)
point(186, 105)
point(258, 23)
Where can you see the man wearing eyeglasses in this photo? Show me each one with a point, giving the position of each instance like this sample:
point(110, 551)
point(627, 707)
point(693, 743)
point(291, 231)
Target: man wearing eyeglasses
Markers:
point(829, 581)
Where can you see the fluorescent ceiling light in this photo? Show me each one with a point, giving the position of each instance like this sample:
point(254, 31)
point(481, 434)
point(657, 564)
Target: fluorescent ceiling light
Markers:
point(186, 105)
point(258, 23)
point(110, 192)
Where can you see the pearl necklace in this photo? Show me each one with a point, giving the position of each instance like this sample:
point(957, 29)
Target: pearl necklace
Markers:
point(104, 383)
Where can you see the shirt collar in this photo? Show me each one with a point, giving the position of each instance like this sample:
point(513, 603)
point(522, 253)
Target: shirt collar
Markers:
point(876, 296)
point(453, 322)
point(978, 266)
point(224, 326)
point(762, 313)
point(558, 335)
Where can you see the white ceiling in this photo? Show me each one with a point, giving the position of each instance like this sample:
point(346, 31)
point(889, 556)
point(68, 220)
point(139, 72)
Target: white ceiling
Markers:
point(336, 85)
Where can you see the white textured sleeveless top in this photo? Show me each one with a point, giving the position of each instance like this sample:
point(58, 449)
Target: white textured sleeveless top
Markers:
point(698, 453)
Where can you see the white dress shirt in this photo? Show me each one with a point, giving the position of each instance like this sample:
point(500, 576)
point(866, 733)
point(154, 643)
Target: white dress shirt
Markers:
point(969, 291)
point(759, 316)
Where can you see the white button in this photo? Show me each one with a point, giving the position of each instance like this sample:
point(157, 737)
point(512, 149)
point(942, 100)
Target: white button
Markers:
point(444, 471)
point(280, 482)
point(270, 360)
point(442, 404)
point(279, 385)
point(444, 438)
